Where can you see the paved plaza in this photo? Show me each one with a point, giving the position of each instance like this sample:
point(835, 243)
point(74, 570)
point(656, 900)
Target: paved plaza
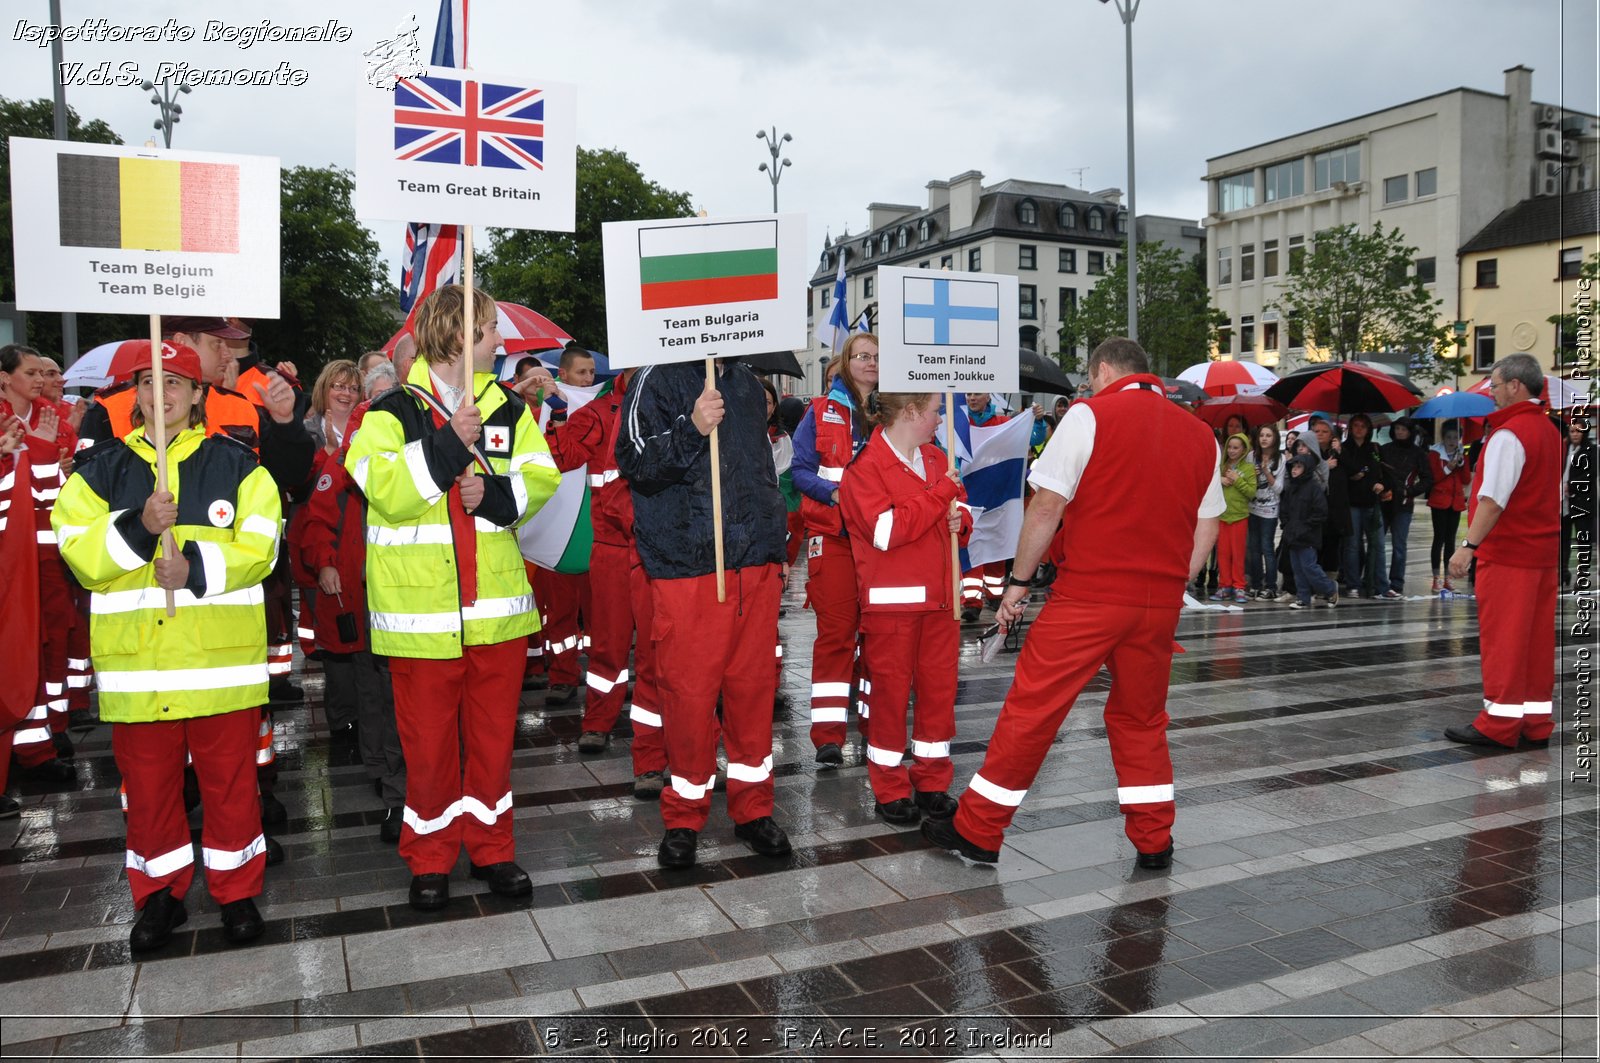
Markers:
point(1346, 884)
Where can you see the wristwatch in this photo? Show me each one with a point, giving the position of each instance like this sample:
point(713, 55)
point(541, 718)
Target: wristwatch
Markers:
point(1013, 581)
point(1469, 544)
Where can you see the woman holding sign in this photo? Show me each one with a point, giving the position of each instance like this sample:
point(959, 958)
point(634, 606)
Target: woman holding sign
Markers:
point(451, 464)
point(897, 498)
point(830, 434)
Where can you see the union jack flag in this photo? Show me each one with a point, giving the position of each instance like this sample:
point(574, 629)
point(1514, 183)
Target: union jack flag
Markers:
point(433, 260)
point(459, 121)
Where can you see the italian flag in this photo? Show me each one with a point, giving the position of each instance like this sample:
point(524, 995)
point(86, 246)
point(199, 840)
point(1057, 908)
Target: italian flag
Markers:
point(700, 265)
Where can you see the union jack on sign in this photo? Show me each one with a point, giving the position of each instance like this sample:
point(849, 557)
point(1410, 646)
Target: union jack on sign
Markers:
point(462, 122)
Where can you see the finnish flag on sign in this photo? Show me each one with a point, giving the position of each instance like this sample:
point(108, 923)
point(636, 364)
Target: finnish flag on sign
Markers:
point(951, 312)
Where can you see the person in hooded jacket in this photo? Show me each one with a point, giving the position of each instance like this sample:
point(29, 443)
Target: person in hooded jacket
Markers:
point(1367, 483)
point(1447, 500)
point(1238, 488)
point(1302, 510)
point(1407, 471)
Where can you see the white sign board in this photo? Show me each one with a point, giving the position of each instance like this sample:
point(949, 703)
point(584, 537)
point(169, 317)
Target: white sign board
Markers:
point(944, 331)
point(461, 147)
point(688, 288)
point(98, 228)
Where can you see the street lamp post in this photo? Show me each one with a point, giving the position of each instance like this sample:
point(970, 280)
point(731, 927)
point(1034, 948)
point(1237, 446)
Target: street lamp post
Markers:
point(69, 322)
point(1044, 325)
point(167, 100)
point(1128, 9)
point(775, 171)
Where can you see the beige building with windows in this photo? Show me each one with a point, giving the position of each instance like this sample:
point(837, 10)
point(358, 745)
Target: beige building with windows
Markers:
point(1058, 241)
point(1438, 169)
point(1519, 272)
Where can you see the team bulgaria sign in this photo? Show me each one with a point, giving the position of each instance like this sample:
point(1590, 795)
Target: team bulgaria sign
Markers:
point(691, 288)
point(105, 229)
point(467, 148)
point(944, 331)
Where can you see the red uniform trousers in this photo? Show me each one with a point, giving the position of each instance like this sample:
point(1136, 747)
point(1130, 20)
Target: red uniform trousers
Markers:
point(706, 648)
point(1517, 646)
point(561, 596)
point(279, 591)
point(1230, 552)
point(831, 590)
point(1064, 649)
point(909, 650)
point(984, 581)
point(794, 522)
point(618, 607)
point(57, 615)
point(536, 663)
point(80, 670)
point(160, 854)
point(441, 708)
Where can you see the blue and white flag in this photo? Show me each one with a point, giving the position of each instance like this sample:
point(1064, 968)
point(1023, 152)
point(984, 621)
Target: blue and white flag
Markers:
point(863, 322)
point(833, 332)
point(994, 480)
point(951, 312)
point(961, 417)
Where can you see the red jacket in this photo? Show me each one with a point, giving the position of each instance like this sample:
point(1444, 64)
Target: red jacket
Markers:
point(897, 528)
point(331, 533)
point(1449, 489)
point(1528, 533)
point(44, 459)
point(589, 437)
point(835, 448)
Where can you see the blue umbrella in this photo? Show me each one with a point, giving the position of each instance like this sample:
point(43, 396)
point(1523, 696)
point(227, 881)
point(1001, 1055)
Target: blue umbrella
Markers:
point(1455, 404)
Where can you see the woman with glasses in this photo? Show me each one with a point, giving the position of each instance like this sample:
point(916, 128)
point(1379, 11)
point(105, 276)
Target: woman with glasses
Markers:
point(335, 394)
point(833, 430)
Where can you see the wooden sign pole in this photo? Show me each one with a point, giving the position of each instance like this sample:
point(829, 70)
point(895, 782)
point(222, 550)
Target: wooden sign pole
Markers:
point(156, 430)
point(467, 315)
point(716, 488)
point(955, 537)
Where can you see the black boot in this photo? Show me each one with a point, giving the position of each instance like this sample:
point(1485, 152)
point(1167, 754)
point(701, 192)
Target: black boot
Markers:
point(162, 915)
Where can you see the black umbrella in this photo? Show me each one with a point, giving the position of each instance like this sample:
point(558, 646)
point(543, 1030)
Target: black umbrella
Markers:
point(1183, 391)
point(1404, 380)
point(1342, 387)
point(774, 363)
point(1042, 373)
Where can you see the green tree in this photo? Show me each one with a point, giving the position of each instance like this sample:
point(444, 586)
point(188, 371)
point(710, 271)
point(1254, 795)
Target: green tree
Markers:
point(1357, 292)
point(1177, 323)
point(337, 300)
point(1569, 325)
point(562, 275)
point(36, 118)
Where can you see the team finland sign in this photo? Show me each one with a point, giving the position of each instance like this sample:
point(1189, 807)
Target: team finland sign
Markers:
point(467, 148)
point(944, 331)
point(105, 229)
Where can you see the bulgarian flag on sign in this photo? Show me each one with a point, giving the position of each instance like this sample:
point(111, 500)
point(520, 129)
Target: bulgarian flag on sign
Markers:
point(715, 262)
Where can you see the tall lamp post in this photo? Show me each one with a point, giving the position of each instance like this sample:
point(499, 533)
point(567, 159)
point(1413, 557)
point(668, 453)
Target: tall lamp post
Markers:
point(69, 322)
point(1128, 9)
point(167, 100)
point(775, 171)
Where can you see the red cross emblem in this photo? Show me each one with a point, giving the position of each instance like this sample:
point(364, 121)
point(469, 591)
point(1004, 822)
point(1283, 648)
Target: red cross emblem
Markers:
point(497, 439)
point(220, 514)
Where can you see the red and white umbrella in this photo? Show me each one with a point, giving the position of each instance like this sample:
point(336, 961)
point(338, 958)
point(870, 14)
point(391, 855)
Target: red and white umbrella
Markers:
point(104, 364)
point(1253, 410)
point(1558, 393)
point(521, 329)
point(1229, 378)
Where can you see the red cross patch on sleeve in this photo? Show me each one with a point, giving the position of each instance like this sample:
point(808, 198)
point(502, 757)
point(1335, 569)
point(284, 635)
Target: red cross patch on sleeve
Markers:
point(496, 439)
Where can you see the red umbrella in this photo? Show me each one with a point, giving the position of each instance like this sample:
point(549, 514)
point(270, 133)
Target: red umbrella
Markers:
point(1255, 410)
point(522, 329)
point(1342, 388)
point(1229, 377)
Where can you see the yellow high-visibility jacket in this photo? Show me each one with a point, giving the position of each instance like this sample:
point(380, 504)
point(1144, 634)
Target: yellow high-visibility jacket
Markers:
point(211, 657)
point(407, 468)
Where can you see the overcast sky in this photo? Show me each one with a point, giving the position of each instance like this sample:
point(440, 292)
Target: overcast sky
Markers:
point(880, 97)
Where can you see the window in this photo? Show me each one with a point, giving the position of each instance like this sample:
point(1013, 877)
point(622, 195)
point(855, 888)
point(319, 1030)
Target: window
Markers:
point(1068, 260)
point(975, 260)
point(1483, 348)
point(902, 237)
point(1028, 212)
point(1028, 337)
point(1122, 221)
point(1269, 258)
point(924, 264)
point(1224, 265)
point(1428, 182)
point(866, 249)
point(1340, 164)
point(1236, 192)
point(1567, 341)
point(1225, 338)
point(1297, 335)
point(1247, 334)
point(1097, 220)
point(922, 230)
point(1396, 189)
point(1097, 262)
point(1297, 253)
point(1027, 256)
point(1247, 262)
point(1570, 264)
point(1067, 301)
point(1269, 336)
point(827, 260)
point(947, 262)
point(827, 297)
point(1284, 180)
point(867, 287)
point(1028, 301)
point(1488, 273)
point(1069, 216)
point(1427, 270)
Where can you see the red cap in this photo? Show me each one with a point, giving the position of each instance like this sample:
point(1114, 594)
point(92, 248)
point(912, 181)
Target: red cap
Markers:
point(175, 358)
point(217, 326)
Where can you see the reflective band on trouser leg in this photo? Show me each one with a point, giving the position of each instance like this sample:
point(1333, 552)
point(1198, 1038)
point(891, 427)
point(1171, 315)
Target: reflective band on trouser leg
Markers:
point(890, 644)
point(831, 590)
point(1517, 649)
point(972, 588)
point(933, 723)
point(610, 620)
point(233, 859)
point(749, 683)
point(649, 746)
point(280, 658)
point(492, 687)
point(1136, 728)
point(160, 854)
point(232, 845)
point(265, 753)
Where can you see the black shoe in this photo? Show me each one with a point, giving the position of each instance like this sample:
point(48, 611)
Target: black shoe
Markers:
point(593, 742)
point(943, 833)
point(281, 689)
point(647, 785)
point(345, 734)
point(829, 755)
point(274, 852)
point(1156, 861)
point(536, 681)
point(936, 803)
point(764, 836)
point(969, 616)
point(560, 694)
point(63, 746)
point(241, 922)
point(389, 829)
point(161, 916)
point(1470, 735)
point(504, 878)
point(677, 847)
point(273, 814)
point(429, 893)
point(81, 719)
point(901, 811)
point(53, 771)
point(1522, 743)
point(10, 807)
point(781, 702)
